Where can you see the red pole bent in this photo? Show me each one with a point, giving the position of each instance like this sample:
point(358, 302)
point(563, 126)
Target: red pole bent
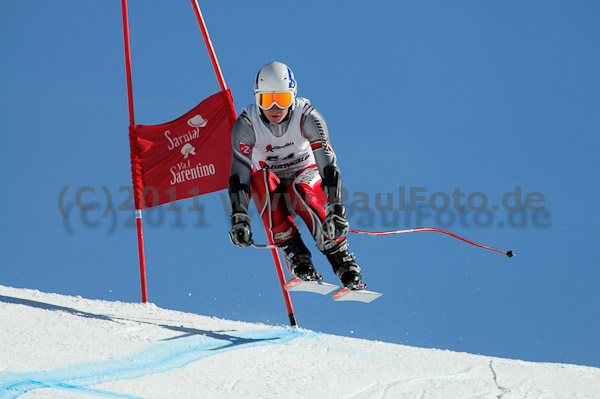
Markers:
point(221, 79)
point(209, 46)
point(281, 276)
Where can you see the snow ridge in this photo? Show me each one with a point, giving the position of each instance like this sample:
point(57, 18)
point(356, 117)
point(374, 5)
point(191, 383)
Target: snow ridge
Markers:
point(69, 347)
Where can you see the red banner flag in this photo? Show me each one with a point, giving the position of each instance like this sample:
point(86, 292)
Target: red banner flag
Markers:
point(184, 158)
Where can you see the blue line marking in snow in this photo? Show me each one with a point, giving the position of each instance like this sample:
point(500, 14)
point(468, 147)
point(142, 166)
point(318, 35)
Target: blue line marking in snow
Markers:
point(159, 358)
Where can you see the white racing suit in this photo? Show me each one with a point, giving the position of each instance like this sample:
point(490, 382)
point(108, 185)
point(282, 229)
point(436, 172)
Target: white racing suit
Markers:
point(283, 166)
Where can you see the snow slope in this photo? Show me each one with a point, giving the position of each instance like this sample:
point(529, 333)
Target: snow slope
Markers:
point(55, 346)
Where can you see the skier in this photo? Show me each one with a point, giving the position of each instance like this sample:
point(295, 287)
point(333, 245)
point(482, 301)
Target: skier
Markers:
point(283, 159)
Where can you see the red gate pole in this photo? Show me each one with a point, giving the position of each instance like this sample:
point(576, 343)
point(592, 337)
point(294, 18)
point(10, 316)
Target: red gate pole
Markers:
point(221, 79)
point(286, 295)
point(138, 212)
point(209, 46)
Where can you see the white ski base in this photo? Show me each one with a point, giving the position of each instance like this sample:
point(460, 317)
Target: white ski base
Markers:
point(317, 287)
point(346, 294)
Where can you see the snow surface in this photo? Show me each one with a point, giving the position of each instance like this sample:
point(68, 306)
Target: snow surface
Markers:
point(56, 346)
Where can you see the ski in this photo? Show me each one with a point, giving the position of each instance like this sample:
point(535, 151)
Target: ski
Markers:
point(346, 294)
point(316, 286)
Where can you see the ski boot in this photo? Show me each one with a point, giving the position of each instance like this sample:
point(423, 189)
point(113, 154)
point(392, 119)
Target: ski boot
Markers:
point(299, 259)
point(345, 267)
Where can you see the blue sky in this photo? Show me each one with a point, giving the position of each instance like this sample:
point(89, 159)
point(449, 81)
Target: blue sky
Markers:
point(485, 98)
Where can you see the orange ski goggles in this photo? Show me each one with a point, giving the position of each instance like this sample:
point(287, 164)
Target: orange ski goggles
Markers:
point(268, 100)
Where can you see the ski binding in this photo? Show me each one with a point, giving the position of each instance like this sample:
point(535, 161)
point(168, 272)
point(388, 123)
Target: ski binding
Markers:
point(346, 294)
point(315, 286)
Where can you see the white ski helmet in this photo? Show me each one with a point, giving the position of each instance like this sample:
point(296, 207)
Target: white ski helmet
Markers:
point(275, 77)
